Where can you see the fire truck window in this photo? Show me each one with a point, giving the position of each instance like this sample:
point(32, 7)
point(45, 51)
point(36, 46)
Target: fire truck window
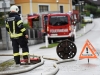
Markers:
point(19, 9)
point(45, 19)
point(58, 20)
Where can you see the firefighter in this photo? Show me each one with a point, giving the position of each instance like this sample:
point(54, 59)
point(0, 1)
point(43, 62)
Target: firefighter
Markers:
point(18, 34)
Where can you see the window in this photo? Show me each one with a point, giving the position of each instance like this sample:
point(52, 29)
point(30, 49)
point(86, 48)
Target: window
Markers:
point(43, 8)
point(61, 9)
point(58, 20)
point(19, 9)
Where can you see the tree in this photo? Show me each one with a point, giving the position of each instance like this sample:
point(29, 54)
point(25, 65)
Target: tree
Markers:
point(97, 13)
point(90, 9)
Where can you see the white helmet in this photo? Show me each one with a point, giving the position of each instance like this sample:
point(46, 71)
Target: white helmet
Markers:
point(14, 8)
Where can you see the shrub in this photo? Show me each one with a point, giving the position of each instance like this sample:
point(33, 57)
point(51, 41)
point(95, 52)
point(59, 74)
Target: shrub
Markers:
point(26, 25)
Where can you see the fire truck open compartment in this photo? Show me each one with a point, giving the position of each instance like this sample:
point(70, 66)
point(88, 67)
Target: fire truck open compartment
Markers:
point(33, 20)
point(35, 26)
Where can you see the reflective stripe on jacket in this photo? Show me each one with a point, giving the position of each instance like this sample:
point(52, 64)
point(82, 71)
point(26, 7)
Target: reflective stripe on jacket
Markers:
point(13, 34)
point(14, 26)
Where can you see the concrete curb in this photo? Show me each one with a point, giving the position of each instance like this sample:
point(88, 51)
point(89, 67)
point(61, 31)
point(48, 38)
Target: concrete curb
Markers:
point(27, 68)
point(86, 32)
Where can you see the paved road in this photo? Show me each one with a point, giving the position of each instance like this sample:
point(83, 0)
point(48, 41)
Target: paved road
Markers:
point(71, 68)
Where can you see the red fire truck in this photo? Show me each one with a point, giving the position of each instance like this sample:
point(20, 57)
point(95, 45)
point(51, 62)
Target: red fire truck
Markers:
point(57, 26)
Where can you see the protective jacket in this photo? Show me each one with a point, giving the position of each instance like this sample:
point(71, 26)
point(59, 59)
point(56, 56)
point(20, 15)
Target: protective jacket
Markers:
point(14, 26)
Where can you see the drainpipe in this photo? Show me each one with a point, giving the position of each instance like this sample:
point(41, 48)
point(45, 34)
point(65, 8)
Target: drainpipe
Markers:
point(57, 1)
point(69, 5)
point(31, 9)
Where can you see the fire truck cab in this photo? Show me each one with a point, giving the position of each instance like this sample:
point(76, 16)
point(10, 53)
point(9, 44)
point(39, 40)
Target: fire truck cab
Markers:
point(58, 26)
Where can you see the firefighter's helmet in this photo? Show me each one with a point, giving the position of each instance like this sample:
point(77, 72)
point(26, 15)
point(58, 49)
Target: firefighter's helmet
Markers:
point(14, 8)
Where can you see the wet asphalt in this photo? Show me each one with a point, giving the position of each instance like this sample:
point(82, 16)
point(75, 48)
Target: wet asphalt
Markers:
point(72, 68)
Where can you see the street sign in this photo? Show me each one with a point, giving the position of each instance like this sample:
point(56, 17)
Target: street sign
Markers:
point(4, 5)
point(88, 51)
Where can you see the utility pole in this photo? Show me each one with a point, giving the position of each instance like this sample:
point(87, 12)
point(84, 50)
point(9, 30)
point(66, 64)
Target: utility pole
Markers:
point(4, 7)
point(31, 9)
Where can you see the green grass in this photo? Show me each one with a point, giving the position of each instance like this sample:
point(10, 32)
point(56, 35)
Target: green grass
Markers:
point(50, 45)
point(82, 25)
point(6, 64)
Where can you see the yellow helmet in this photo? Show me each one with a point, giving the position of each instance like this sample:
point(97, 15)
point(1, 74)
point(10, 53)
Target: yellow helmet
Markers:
point(14, 8)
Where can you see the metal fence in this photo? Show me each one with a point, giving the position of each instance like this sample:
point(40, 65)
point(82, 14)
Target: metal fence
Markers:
point(35, 37)
point(0, 34)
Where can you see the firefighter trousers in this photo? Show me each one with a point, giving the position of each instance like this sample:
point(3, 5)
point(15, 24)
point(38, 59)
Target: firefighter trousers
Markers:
point(20, 42)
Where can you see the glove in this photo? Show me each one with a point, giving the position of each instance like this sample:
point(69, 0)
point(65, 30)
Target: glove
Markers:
point(26, 36)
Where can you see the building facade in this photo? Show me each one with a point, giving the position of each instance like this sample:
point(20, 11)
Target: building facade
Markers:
point(29, 7)
point(38, 6)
